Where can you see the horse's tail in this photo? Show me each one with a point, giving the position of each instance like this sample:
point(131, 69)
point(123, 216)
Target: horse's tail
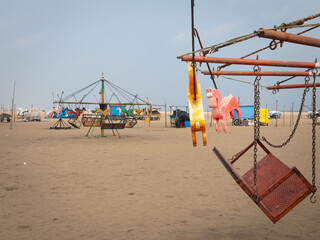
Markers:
point(235, 106)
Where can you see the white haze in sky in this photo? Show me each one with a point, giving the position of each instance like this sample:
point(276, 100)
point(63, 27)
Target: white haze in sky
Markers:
point(53, 46)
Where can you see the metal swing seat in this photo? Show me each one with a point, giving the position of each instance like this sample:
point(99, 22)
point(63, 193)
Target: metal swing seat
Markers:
point(74, 122)
point(112, 125)
point(279, 188)
point(113, 122)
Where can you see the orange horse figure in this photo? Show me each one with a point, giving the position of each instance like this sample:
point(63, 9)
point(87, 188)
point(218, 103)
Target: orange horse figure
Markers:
point(221, 108)
point(195, 108)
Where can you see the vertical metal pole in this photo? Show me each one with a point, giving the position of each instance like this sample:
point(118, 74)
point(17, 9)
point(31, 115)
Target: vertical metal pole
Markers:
point(14, 113)
point(102, 100)
point(193, 54)
point(150, 111)
point(53, 99)
point(201, 46)
point(14, 89)
point(165, 112)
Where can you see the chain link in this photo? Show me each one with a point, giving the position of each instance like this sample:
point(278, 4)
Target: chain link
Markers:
point(257, 70)
point(306, 89)
point(313, 198)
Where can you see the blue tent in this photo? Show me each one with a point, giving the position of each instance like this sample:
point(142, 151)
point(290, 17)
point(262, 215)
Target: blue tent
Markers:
point(247, 112)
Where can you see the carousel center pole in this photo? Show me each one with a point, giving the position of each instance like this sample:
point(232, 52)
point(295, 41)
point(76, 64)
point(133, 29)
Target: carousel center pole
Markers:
point(102, 98)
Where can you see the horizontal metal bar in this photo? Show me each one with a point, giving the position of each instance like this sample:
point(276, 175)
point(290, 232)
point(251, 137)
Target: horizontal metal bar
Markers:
point(292, 86)
point(261, 73)
point(111, 104)
point(252, 62)
point(289, 37)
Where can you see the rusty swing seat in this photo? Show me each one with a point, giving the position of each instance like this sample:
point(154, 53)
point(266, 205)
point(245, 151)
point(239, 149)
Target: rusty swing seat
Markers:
point(279, 188)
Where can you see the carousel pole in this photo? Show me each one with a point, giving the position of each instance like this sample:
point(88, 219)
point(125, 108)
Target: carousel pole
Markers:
point(102, 99)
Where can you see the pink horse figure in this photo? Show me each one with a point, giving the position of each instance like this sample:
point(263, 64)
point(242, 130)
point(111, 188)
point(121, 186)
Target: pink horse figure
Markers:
point(221, 108)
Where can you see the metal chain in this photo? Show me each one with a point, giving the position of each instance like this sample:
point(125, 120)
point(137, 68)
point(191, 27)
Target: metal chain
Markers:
point(306, 89)
point(257, 70)
point(313, 198)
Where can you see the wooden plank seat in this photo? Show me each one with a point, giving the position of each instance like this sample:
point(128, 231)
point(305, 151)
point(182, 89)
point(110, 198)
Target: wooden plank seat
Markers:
point(112, 125)
point(279, 188)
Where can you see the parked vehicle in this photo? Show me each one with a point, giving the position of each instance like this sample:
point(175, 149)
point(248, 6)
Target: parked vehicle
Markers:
point(178, 118)
point(275, 114)
point(155, 115)
point(310, 115)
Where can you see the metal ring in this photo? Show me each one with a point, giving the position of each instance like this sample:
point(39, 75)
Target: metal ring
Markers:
point(307, 79)
point(193, 65)
point(283, 29)
point(256, 68)
point(314, 71)
point(273, 45)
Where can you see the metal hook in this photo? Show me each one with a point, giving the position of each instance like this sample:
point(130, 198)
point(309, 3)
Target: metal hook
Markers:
point(313, 198)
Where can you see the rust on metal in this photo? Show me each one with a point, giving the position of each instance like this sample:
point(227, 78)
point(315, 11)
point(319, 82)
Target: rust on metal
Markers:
point(292, 86)
point(112, 125)
point(252, 62)
point(280, 188)
point(262, 73)
point(289, 37)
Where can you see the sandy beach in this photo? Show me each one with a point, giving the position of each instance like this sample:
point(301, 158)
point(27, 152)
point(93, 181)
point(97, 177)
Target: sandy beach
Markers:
point(148, 184)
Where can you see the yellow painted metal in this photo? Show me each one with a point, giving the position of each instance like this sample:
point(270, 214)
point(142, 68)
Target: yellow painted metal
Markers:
point(196, 113)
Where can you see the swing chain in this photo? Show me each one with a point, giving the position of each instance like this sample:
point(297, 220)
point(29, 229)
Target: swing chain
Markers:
point(313, 198)
point(306, 89)
point(257, 70)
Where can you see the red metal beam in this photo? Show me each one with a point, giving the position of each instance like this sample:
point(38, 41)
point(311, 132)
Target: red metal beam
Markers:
point(252, 62)
point(262, 73)
point(288, 37)
point(292, 86)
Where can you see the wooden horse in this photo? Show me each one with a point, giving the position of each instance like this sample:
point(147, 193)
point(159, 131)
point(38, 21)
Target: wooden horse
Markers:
point(221, 108)
point(138, 111)
point(195, 108)
point(55, 112)
point(103, 112)
point(127, 112)
point(76, 113)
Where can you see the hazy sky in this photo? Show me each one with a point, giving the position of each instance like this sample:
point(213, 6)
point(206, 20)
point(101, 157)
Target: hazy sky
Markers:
point(63, 45)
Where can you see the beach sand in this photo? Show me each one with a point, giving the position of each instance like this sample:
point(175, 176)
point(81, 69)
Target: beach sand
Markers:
point(148, 184)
